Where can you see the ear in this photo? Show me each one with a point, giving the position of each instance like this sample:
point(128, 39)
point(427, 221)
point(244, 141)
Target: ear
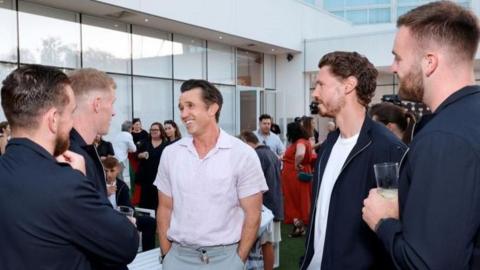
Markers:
point(96, 102)
point(213, 109)
point(429, 64)
point(52, 117)
point(350, 84)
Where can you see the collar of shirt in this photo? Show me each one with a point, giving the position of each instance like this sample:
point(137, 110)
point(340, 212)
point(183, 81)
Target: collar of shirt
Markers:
point(77, 138)
point(223, 142)
point(31, 145)
point(463, 92)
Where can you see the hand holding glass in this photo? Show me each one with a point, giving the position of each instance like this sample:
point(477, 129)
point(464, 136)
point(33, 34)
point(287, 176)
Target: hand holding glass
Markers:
point(386, 175)
point(127, 211)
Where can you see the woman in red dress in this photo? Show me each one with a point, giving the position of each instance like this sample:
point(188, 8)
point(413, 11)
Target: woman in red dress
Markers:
point(297, 193)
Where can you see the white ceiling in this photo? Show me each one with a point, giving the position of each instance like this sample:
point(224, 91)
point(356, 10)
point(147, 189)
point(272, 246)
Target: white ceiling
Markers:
point(129, 16)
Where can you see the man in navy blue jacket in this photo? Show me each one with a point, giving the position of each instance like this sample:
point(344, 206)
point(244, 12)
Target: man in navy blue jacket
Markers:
point(52, 217)
point(438, 223)
point(337, 236)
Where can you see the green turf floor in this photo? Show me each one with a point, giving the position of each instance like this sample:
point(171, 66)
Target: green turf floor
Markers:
point(291, 249)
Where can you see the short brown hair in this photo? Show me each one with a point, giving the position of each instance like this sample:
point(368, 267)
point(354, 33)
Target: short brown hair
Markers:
point(444, 23)
point(110, 163)
point(30, 91)
point(88, 79)
point(248, 136)
point(210, 93)
point(346, 64)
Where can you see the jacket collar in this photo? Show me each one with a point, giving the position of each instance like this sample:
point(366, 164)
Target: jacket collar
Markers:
point(364, 137)
point(76, 138)
point(460, 94)
point(32, 146)
point(455, 97)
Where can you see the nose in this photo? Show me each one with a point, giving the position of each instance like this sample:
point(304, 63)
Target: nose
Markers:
point(394, 67)
point(316, 92)
point(183, 113)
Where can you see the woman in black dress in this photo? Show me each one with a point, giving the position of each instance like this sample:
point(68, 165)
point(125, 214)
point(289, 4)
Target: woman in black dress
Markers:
point(138, 133)
point(149, 153)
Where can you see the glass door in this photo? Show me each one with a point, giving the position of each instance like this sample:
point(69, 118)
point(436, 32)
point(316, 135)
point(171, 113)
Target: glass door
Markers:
point(248, 104)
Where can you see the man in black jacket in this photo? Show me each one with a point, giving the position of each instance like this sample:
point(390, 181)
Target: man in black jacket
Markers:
point(438, 224)
point(337, 236)
point(52, 217)
point(95, 94)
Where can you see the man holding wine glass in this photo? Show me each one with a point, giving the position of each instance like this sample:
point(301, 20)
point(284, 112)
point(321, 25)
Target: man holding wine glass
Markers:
point(438, 223)
point(344, 172)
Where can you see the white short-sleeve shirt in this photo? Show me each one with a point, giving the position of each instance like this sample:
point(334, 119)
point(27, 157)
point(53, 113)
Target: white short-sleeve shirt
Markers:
point(206, 192)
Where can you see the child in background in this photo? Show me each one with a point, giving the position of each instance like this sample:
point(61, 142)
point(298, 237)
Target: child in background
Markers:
point(119, 195)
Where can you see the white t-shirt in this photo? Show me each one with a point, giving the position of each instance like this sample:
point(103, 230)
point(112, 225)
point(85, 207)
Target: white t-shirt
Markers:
point(338, 156)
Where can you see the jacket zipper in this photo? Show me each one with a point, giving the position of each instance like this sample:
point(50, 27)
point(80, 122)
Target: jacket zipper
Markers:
point(316, 199)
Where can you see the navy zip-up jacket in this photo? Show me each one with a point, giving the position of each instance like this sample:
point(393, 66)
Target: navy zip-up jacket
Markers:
point(349, 242)
point(439, 193)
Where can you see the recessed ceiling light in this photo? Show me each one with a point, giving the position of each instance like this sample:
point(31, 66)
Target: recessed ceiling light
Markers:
point(146, 19)
point(273, 50)
point(220, 37)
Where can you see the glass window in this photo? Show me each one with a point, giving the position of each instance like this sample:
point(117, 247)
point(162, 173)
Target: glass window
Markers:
point(339, 13)
point(5, 69)
point(189, 58)
point(352, 3)
point(152, 100)
point(269, 98)
point(48, 36)
point(379, 15)
point(227, 114)
point(403, 10)
point(152, 52)
point(106, 45)
point(249, 68)
point(333, 4)
point(8, 22)
point(176, 111)
point(122, 106)
point(221, 63)
point(269, 71)
point(408, 1)
point(357, 16)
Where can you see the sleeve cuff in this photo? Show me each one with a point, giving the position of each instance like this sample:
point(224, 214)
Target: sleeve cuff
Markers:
point(387, 229)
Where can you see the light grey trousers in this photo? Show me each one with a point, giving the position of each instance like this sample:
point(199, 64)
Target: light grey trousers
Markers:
point(211, 258)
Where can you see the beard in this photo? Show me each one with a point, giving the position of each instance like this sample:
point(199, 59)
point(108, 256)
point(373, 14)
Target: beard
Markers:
point(411, 86)
point(332, 108)
point(62, 143)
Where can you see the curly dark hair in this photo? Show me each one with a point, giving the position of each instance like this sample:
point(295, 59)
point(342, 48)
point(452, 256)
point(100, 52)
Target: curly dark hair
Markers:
point(346, 64)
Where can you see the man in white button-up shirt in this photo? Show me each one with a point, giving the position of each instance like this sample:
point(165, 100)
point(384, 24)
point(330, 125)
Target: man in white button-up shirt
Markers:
point(210, 189)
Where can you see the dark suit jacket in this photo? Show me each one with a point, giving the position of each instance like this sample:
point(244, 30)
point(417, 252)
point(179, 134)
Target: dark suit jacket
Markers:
point(53, 218)
point(349, 242)
point(439, 193)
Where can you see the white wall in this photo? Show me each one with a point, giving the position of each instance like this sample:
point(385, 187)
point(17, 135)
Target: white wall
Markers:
point(292, 97)
point(376, 47)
